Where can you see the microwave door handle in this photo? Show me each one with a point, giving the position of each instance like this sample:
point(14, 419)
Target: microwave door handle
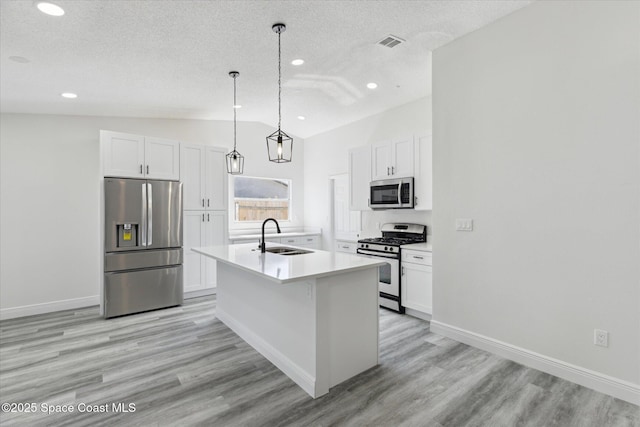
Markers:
point(400, 194)
point(143, 226)
point(150, 216)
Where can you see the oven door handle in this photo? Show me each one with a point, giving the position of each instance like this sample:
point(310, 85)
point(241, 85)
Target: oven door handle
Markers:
point(376, 255)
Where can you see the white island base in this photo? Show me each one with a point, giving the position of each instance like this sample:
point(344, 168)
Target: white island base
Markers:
point(318, 331)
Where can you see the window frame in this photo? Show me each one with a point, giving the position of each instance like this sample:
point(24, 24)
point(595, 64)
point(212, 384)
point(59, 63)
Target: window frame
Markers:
point(251, 224)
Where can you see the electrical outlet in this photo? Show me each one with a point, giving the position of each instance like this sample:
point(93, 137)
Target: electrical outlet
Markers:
point(601, 338)
point(464, 224)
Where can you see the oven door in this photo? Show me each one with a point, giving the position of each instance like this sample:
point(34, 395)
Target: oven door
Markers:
point(388, 274)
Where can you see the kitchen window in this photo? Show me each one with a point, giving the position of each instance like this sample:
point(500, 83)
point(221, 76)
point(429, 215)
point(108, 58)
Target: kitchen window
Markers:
point(256, 199)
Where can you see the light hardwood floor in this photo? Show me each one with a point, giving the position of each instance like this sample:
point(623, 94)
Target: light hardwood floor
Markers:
point(182, 366)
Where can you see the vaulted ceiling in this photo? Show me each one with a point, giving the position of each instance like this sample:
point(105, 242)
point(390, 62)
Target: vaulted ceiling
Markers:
point(171, 59)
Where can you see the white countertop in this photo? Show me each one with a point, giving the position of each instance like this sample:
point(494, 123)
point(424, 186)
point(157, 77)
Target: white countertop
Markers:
point(424, 247)
point(287, 268)
point(272, 235)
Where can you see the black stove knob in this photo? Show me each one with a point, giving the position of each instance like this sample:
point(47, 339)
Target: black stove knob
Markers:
point(391, 249)
point(367, 245)
point(385, 248)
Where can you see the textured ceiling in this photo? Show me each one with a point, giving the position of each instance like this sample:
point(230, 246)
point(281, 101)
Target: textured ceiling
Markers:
point(170, 59)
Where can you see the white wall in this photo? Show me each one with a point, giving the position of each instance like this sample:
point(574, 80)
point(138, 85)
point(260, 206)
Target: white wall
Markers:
point(536, 137)
point(326, 154)
point(49, 218)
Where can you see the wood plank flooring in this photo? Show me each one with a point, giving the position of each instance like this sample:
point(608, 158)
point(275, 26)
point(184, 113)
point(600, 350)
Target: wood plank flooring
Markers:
point(182, 366)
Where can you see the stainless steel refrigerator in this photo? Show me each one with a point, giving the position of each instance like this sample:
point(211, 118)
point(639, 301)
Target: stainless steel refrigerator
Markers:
point(143, 245)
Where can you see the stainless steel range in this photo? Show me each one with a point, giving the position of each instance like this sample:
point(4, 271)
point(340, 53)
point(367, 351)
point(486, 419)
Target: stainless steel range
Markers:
point(388, 247)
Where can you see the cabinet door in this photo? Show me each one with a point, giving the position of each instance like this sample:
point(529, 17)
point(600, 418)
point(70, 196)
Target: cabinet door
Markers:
point(359, 177)
point(192, 176)
point(215, 233)
point(416, 287)
point(162, 158)
point(403, 157)
point(215, 179)
point(193, 267)
point(122, 154)
point(381, 160)
point(423, 189)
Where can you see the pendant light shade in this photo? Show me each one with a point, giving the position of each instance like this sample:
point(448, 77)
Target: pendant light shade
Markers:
point(279, 144)
point(235, 160)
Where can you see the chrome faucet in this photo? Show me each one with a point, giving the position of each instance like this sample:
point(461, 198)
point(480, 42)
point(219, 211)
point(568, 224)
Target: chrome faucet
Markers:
point(262, 245)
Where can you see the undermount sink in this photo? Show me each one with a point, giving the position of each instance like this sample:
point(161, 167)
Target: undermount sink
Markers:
point(285, 250)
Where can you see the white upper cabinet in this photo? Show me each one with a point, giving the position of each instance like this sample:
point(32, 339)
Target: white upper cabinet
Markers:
point(393, 158)
point(216, 179)
point(204, 177)
point(423, 188)
point(162, 158)
point(359, 177)
point(134, 156)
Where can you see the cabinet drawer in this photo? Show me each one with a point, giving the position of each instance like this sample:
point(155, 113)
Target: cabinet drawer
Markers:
point(291, 240)
point(349, 247)
point(416, 257)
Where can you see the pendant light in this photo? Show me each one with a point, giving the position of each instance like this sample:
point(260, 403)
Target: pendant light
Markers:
point(235, 160)
point(279, 144)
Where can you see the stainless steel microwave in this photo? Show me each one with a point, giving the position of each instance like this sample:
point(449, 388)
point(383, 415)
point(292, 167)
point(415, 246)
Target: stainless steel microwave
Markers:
point(391, 194)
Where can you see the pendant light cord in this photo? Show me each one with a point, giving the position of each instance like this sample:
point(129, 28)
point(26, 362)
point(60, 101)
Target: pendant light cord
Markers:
point(234, 112)
point(279, 81)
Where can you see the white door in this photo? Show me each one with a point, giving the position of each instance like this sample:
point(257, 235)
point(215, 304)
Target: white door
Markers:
point(403, 157)
point(381, 160)
point(194, 231)
point(346, 223)
point(192, 176)
point(216, 179)
point(122, 154)
point(359, 177)
point(215, 232)
point(162, 158)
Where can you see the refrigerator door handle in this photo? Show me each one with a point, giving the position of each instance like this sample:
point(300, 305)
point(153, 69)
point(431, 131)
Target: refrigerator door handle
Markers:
point(150, 215)
point(143, 226)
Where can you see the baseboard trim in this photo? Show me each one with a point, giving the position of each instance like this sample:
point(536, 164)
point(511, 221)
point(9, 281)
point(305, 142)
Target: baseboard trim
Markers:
point(199, 293)
point(282, 362)
point(612, 386)
point(418, 314)
point(48, 307)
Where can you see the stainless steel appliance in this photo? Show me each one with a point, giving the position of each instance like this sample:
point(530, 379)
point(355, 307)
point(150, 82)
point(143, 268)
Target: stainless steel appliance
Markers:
point(391, 194)
point(388, 247)
point(143, 245)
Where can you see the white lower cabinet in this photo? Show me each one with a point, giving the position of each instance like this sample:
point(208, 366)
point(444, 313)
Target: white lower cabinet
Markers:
point(416, 283)
point(202, 228)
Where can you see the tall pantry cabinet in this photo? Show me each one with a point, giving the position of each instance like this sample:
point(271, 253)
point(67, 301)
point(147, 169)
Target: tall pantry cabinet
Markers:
point(204, 177)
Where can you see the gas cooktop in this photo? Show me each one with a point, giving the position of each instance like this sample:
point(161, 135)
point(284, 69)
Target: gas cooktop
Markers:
point(391, 241)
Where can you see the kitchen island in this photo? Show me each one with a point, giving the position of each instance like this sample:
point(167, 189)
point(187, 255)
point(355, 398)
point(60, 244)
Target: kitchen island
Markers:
point(313, 315)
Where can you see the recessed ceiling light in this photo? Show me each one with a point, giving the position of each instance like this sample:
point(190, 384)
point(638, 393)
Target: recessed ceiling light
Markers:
point(19, 59)
point(50, 8)
point(69, 95)
point(301, 117)
point(237, 106)
point(372, 85)
point(297, 62)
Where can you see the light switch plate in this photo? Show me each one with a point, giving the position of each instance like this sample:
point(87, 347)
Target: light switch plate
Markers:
point(464, 224)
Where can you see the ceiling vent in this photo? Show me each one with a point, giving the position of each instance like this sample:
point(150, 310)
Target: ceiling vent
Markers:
point(391, 41)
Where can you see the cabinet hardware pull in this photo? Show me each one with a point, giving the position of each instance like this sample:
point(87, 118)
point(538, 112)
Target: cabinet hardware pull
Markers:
point(393, 169)
point(208, 218)
point(203, 203)
point(387, 170)
point(141, 169)
point(207, 202)
point(418, 257)
point(202, 217)
point(403, 270)
point(147, 169)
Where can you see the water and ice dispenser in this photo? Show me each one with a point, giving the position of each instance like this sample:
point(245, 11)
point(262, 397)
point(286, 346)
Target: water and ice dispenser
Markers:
point(127, 235)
